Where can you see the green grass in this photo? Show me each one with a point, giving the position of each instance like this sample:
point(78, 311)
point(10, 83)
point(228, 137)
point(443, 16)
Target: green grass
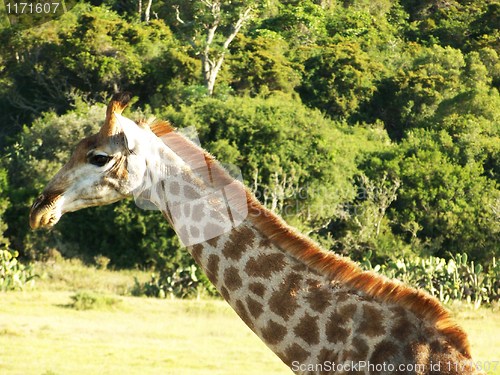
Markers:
point(73, 275)
point(40, 334)
point(79, 321)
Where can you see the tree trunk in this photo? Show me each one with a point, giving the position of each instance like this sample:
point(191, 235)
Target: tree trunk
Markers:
point(211, 65)
point(147, 12)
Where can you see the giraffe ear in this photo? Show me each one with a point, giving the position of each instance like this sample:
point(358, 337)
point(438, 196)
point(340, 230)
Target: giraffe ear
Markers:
point(131, 131)
point(117, 104)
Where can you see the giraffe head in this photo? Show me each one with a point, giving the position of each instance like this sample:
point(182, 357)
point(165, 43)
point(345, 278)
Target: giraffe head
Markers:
point(159, 167)
point(103, 169)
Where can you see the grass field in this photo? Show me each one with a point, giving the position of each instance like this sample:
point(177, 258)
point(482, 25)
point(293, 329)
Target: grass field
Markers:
point(42, 333)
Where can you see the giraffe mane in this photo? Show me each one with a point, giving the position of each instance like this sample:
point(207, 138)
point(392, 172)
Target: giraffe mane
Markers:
point(160, 127)
point(334, 267)
point(347, 272)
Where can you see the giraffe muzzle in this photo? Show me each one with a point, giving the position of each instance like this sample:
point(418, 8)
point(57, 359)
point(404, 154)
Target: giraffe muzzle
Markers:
point(45, 212)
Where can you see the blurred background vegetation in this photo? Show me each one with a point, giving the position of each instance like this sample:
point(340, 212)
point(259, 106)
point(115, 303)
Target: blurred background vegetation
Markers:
point(372, 126)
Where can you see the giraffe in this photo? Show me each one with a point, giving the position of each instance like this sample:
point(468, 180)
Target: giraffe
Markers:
point(316, 310)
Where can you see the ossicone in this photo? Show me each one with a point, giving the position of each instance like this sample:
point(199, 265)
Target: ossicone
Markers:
point(118, 103)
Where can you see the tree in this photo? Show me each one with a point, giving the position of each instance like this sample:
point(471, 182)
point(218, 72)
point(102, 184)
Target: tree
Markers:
point(259, 65)
point(207, 37)
point(449, 207)
point(361, 225)
point(410, 97)
point(339, 78)
point(300, 23)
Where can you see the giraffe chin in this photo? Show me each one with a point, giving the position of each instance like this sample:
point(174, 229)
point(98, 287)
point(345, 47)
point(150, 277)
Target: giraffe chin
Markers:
point(44, 220)
point(45, 214)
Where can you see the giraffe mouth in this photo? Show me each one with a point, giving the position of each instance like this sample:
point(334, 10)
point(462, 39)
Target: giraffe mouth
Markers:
point(46, 211)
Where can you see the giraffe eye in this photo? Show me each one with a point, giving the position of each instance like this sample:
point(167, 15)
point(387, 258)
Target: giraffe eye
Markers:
point(99, 160)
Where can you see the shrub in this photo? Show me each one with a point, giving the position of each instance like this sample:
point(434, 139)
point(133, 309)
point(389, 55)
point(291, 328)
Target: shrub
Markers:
point(91, 301)
point(101, 262)
point(14, 275)
point(184, 282)
point(453, 279)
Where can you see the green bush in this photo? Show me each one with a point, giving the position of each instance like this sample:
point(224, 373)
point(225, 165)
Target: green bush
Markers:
point(90, 301)
point(184, 282)
point(14, 275)
point(455, 279)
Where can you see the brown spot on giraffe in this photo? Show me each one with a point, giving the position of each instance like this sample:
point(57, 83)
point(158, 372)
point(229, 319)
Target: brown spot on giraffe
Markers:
point(232, 279)
point(174, 188)
point(319, 297)
point(255, 308)
point(336, 333)
point(196, 252)
point(225, 293)
point(242, 312)
point(358, 350)
point(341, 297)
point(239, 241)
point(435, 346)
point(265, 265)
point(195, 232)
point(343, 315)
point(336, 330)
point(326, 356)
point(401, 325)
point(183, 232)
point(295, 353)
point(218, 216)
point(283, 301)
point(212, 269)
point(198, 212)
point(265, 243)
point(308, 329)
point(213, 241)
point(274, 332)
point(302, 268)
point(372, 321)
point(190, 193)
point(383, 352)
point(257, 288)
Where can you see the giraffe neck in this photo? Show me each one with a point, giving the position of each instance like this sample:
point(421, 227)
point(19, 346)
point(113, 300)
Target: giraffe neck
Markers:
point(276, 295)
point(263, 283)
point(309, 307)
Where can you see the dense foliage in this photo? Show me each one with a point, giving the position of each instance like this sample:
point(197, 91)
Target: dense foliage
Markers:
point(373, 126)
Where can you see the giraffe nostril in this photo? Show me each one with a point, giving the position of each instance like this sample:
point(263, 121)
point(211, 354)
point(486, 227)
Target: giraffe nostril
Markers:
point(38, 201)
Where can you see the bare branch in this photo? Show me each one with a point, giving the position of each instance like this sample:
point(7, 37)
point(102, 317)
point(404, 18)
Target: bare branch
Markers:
point(212, 60)
point(178, 15)
point(184, 23)
point(147, 12)
point(238, 25)
point(207, 3)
